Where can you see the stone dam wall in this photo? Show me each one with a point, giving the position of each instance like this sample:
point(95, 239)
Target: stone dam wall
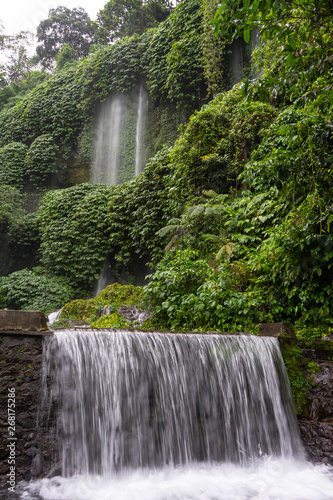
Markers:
point(316, 421)
point(28, 449)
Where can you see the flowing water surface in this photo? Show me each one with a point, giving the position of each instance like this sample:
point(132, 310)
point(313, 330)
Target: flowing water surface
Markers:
point(150, 416)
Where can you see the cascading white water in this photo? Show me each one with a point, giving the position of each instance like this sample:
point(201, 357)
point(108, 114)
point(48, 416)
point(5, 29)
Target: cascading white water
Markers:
point(119, 152)
point(140, 125)
point(108, 130)
point(138, 400)
point(173, 417)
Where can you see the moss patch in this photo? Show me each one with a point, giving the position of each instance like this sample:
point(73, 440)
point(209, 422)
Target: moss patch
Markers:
point(88, 311)
point(295, 365)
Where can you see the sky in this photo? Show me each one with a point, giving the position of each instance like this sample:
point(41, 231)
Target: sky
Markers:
point(25, 15)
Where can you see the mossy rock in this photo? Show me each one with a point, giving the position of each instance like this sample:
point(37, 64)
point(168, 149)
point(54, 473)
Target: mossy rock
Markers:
point(114, 320)
point(114, 295)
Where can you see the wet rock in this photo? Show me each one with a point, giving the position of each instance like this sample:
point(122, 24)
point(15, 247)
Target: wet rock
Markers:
point(37, 466)
point(316, 424)
point(131, 313)
point(317, 438)
point(31, 452)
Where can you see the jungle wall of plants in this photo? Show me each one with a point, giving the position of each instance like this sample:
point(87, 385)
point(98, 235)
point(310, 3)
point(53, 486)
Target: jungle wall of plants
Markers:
point(234, 217)
point(63, 106)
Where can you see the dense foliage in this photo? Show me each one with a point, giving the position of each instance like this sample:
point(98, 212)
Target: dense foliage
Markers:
point(64, 26)
point(175, 69)
point(12, 159)
point(113, 297)
point(33, 290)
point(42, 160)
point(74, 233)
point(120, 18)
point(10, 206)
point(168, 59)
point(235, 217)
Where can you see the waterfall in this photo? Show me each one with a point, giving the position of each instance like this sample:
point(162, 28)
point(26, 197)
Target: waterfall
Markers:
point(136, 400)
point(152, 416)
point(119, 136)
point(108, 130)
point(140, 124)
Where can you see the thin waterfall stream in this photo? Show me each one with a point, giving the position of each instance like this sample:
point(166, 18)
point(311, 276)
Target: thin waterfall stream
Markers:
point(153, 416)
point(140, 125)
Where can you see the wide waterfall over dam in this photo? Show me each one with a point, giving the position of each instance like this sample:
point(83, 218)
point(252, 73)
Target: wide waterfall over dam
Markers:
point(154, 416)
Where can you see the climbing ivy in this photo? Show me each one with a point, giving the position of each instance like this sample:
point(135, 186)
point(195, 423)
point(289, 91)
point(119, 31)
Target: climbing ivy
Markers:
point(42, 160)
point(174, 57)
point(74, 233)
point(213, 48)
point(10, 206)
point(137, 210)
point(12, 159)
point(34, 290)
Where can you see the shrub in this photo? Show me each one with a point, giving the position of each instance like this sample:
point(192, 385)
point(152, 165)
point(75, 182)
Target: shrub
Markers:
point(12, 158)
point(34, 290)
point(42, 160)
point(114, 295)
point(114, 320)
point(10, 206)
point(74, 233)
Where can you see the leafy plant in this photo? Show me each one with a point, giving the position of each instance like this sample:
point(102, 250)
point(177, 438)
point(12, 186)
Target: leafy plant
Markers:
point(297, 32)
point(34, 290)
point(42, 160)
point(23, 242)
point(12, 158)
point(114, 320)
point(10, 206)
point(113, 296)
point(74, 233)
point(63, 26)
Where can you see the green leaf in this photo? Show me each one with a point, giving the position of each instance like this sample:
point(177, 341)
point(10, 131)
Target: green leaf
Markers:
point(246, 35)
point(292, 42)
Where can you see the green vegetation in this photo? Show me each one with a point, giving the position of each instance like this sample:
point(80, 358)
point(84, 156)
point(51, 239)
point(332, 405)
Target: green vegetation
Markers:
point(112, 296)
point(296, 369)
point(74, 233)
point(234, 210)
point(120, 18)
point(113, 320)
point(42, 160)
point(34, 290)
point(63, 26)
point(12, 158)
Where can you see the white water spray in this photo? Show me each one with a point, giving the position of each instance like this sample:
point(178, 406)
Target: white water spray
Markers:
point(119, 138)
point(108, 131)
point(173, 417)
point(140, 126)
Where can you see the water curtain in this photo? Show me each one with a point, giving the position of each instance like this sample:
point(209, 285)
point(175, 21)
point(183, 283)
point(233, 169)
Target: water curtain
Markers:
point(138, 400)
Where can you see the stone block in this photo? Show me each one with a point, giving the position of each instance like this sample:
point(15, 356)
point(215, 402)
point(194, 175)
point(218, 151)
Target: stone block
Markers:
point(283, 330)
point(22, 321)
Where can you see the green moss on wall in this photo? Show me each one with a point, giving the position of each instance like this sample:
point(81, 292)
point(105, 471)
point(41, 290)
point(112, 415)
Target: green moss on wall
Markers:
point(295, 365)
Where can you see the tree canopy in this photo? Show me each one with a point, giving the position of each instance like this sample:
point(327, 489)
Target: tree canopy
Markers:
point(64, 26)
point(121, 18)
